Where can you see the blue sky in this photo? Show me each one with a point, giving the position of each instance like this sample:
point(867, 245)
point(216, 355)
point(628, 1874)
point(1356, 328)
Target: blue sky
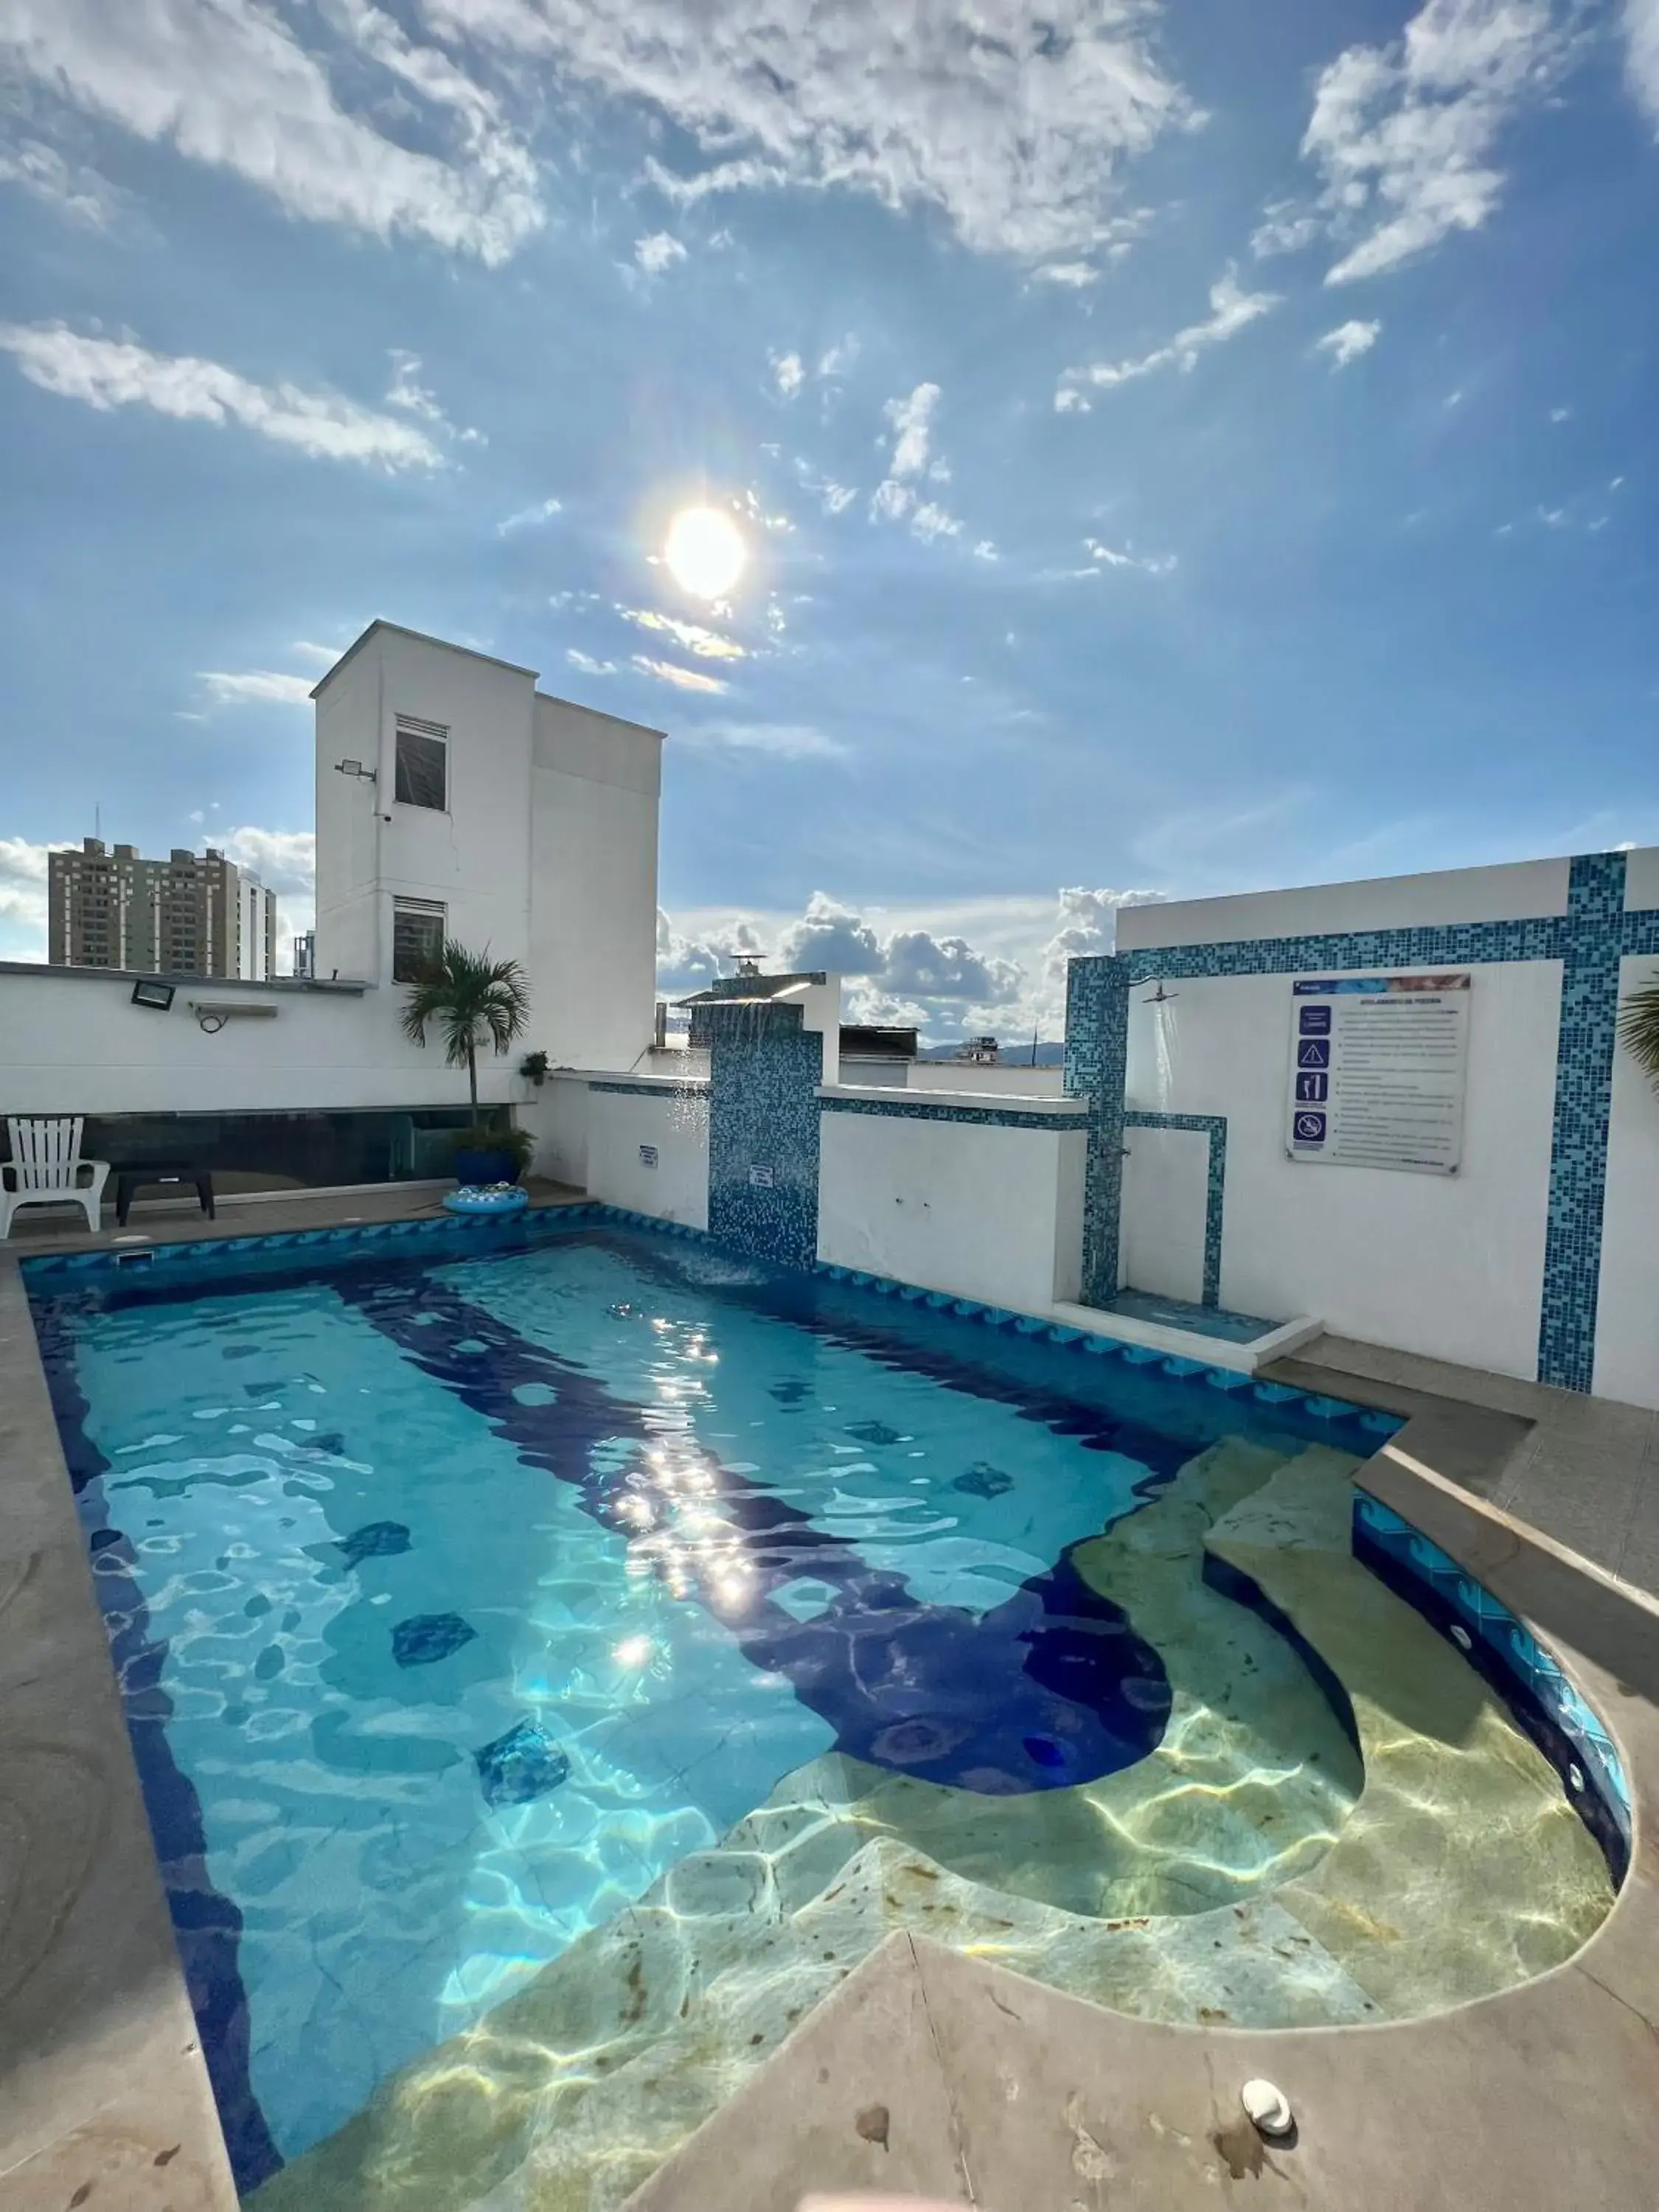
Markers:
point(1179, 449)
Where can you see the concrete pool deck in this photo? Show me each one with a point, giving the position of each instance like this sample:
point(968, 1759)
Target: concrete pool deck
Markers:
point(926, 2069)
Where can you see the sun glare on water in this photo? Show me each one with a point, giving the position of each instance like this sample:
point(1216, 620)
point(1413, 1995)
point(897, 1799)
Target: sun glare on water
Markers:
point(704, 551)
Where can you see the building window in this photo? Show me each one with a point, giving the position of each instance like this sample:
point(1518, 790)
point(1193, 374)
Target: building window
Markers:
point(422, 764)
point(418, 938)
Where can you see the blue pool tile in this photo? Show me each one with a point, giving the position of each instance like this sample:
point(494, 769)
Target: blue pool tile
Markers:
point(984, 1480)
point(375, 1540)
point(523, 1765)
point(426, 1638)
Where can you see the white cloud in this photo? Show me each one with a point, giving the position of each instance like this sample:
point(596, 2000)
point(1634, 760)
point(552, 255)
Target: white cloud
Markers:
point(1642, 53)
point(683, 679)
point(912, 419)
point(24, 898)
point(1013, 127)
point(321, 656)
point(1348, 341)
point(1231, 310)
point(832, 936)
point(838, 497)
point(1560, 414)
point(109, 373)
point(837, 359)
point(1073, 274)
point(1284, 228)
point(1068, 400)
point(1403, 135)
point(406, 393)
point(787, 374)
point(79, 193)
point(985, 551)
point(1103, 556)
point(931, 521)
point(587, 663)
point(530, 517)
point(705, 644)
point(785, 740)
point(285, 861)
point(255, 686)
point(227, 84)
point(894, 498)
point(657, 252)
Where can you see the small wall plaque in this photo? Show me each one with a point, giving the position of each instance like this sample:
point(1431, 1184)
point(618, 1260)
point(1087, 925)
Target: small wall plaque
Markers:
point(760, 1178)
point(648, 1156)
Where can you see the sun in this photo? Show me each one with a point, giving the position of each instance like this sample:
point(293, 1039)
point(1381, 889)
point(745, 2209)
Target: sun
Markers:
point(705, 552)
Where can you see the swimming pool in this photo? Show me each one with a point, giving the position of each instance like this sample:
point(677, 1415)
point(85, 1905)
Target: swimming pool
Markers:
point(468, 1588)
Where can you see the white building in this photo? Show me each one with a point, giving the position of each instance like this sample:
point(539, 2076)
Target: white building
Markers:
point(455, 799)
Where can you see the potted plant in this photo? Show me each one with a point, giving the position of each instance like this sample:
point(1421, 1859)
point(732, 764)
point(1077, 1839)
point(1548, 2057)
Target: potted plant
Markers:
point(472, 1001)
point(486, 1154)
point(533, 1065)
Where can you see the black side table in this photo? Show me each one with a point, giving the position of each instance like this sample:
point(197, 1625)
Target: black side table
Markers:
point(131, 1180)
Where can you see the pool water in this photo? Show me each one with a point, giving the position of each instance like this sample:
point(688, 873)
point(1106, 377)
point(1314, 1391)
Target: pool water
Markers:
point(459, 1595)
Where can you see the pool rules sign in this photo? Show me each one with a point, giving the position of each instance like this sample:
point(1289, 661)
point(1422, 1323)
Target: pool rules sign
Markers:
point(1377, 1066)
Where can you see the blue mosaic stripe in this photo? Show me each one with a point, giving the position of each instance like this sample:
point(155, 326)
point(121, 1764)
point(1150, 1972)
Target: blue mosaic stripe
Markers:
point(929, 1110)
point(692, 1087)
point(1214, 1126)
point(1529, 1679)
point(1583, 1111)
point(1454, 944)
point(1589, 939)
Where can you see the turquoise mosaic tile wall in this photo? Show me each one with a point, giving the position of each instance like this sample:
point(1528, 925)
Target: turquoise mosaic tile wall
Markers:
point(1589, 939)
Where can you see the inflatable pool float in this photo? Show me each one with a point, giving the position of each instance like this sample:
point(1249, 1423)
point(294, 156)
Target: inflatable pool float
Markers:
point(488, 1198)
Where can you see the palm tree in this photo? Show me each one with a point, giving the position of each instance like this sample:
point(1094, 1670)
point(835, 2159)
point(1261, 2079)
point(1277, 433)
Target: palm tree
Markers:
point(472, 1000)
point(1639, 1029)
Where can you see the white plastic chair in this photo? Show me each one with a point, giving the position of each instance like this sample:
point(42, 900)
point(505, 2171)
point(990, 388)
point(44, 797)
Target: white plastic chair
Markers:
point(46, 1169)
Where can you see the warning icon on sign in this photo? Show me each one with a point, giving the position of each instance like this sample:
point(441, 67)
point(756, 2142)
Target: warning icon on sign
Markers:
point(1313, 1052)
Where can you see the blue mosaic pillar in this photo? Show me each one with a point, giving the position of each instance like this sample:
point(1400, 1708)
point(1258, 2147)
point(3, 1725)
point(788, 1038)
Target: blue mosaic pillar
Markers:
point(764, 1074)
point(1097, 1063)
point(1583, 1107)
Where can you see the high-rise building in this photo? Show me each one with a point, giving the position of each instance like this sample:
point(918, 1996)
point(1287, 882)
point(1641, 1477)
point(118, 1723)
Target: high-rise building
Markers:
point(185, 915)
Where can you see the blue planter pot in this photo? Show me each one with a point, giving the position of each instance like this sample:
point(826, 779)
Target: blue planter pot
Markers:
point(485, 1167)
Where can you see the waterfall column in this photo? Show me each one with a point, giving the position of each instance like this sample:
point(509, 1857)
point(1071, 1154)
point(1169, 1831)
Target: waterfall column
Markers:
point(1096, 1064)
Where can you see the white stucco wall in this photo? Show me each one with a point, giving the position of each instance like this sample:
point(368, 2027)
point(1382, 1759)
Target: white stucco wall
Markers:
point(1166, 1183)
point(986, 1213)
point(594, 794)
point(1519, 891)
point(72, 1041)
point(1003, 1080)
point(1446, 1265)
point(556, 1117)
point(1627, 1307)
point(546, 852)
point(619, 1123)
point(475, 856)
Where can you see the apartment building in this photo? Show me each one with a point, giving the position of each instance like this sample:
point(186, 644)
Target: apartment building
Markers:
point(190, 915)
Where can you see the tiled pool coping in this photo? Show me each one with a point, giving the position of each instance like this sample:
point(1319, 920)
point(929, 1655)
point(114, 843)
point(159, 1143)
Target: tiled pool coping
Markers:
point(103, 2083)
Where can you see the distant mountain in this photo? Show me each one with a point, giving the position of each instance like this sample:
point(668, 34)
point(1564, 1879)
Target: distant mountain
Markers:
point(1014, 1055)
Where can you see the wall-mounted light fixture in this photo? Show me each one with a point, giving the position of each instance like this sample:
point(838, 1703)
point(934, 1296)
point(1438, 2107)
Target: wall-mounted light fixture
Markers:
point(211, 1015)
point(158, 996)
point(355, 767)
